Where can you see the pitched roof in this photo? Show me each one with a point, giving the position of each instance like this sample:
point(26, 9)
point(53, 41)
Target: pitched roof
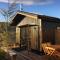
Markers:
point(21, 15)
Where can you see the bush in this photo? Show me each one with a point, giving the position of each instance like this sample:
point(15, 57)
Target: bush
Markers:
point(2, 55)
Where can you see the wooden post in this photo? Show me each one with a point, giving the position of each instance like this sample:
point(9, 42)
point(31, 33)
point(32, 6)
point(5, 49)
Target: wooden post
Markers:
point(17, 35)
point(28, 38)
point(40, 33)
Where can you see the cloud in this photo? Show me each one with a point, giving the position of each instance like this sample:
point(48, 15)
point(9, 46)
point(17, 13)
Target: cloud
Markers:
point(3, 0)
point(29, 2)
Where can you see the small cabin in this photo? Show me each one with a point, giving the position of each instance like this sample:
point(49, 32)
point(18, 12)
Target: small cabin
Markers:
point(32, 30)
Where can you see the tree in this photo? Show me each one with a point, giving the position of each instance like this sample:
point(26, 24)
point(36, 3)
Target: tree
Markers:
point(7, 13)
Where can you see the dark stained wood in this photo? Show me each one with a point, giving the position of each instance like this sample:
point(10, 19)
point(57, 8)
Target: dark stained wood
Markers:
point(17, 19)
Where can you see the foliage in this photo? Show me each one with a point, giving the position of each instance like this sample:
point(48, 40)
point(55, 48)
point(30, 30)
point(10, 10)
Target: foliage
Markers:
point(2, 55)
point(3, 34)
point(6, 37)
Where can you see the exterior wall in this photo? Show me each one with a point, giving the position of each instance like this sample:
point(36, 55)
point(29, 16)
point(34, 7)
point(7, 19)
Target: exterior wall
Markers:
point(32, 21)
point(49, 32)
point(57, 35)
point(29, 37)
point(11, 31)
point(34, 37)
point(28, 20)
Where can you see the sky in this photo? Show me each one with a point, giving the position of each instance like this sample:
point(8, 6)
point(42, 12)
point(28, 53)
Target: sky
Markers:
point(44, 7)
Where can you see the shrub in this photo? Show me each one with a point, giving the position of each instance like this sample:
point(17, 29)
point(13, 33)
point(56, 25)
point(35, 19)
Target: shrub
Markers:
point(2, 55)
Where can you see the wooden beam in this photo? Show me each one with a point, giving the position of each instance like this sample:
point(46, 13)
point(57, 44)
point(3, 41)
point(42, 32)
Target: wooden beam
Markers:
point(27, 15)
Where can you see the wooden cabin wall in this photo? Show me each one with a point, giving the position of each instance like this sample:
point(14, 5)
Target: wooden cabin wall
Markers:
point(34, 37)
point(49, 32)
point(57, 35)
point(36, 32)
point(29, 35)
point(28, 20)
point(36, 40)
